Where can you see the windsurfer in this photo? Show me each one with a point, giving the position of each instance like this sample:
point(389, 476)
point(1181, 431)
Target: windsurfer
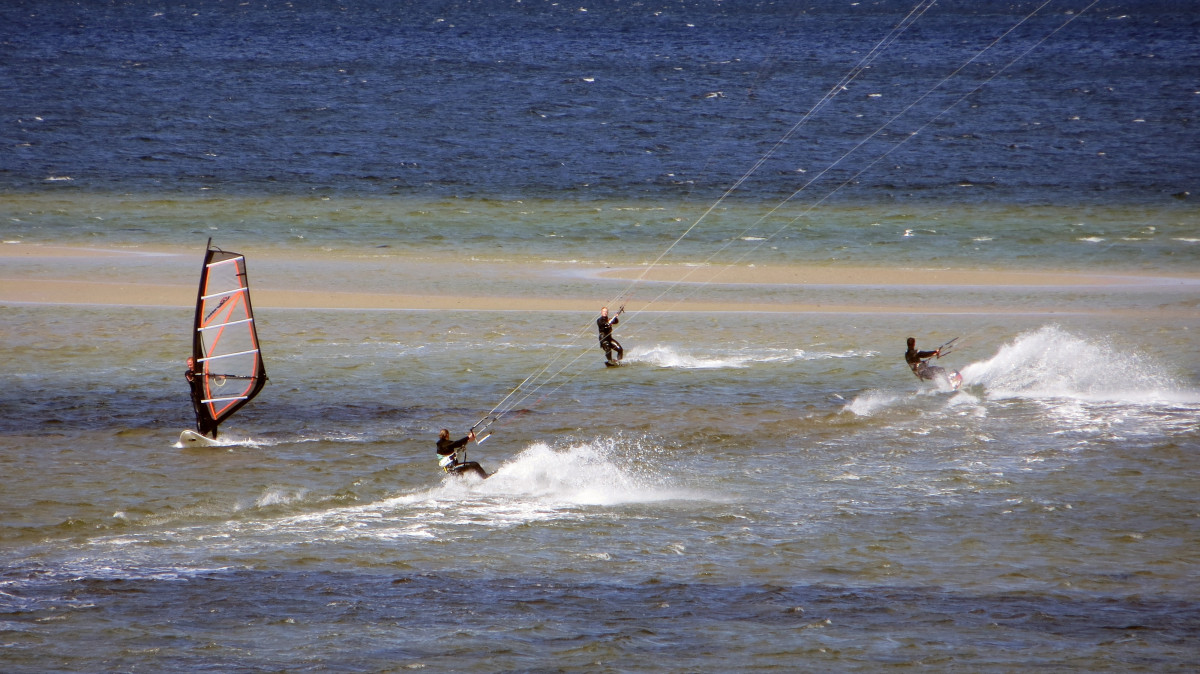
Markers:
point(605, 326)
point(196, 386)
point(448, 449)
point(918, 361)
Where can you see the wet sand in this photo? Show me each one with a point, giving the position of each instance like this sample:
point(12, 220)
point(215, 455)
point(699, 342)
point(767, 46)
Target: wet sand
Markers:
point(58, 275)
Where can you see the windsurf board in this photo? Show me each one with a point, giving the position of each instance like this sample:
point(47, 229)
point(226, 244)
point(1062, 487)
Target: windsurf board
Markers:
point(190, 438)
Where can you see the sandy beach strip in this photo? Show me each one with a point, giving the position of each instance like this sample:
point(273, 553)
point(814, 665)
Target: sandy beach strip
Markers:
point(75, 292)
point(55, 275)
point(62, 292)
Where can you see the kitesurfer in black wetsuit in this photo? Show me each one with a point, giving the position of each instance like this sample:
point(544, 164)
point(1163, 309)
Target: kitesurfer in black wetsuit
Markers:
point(447, 450)
point(605, 325)
point(917, 360)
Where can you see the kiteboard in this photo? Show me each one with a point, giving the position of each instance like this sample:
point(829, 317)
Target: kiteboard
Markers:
point(955, 379)
point(612, 363)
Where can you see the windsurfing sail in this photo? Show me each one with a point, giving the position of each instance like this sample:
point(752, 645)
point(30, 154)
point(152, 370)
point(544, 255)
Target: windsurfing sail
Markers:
point(226, 369)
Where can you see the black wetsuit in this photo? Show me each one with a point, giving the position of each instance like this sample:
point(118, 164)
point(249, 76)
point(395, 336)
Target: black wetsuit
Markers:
point(604, 325)
point(448, 447)
point(203, 424)
point(916, 361)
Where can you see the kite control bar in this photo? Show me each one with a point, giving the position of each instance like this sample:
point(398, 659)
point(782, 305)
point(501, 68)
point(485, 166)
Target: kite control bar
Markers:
point(948, 346)
point(483, 424)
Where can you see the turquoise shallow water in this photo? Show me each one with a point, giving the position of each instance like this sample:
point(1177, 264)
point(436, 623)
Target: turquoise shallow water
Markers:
point(1121, 238)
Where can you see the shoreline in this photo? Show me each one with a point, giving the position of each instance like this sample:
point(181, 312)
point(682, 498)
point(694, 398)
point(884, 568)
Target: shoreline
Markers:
point(30, 275)
point(92, 293)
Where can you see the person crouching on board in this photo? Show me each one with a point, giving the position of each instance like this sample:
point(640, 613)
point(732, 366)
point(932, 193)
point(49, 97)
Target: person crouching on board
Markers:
point(605, 325)
point(448, 455)
point(918, 361)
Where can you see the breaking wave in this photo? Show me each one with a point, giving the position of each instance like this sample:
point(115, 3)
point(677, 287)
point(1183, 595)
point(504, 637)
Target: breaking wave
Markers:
point(607, 471)
point(1050, 363)
point(1053, 363)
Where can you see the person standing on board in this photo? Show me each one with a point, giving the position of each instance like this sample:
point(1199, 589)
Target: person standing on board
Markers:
point(196, 386)
point(447, 450)
point(605, 326)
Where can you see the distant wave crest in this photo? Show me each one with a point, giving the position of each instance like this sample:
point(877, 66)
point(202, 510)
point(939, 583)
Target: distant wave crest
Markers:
point(673, 357)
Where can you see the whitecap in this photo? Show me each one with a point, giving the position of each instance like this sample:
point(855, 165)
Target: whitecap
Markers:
point(279, 496)
point(671, 357)
point(869, 403)
point(604, 471)
point(1053, 363)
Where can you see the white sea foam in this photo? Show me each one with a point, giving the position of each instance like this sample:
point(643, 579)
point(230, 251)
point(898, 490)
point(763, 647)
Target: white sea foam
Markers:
point(871, 402)
point(539, 484)
point(1053, 363)
point(279, 496)
point(671, 357)
point(661, 355)
point(608, 471)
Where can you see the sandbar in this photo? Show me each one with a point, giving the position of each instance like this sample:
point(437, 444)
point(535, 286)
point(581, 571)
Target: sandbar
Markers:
point(45, 274)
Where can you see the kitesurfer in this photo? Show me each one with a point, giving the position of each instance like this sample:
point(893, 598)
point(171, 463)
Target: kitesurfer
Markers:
point(605, 326)
point(918, 361)
point(448, 455)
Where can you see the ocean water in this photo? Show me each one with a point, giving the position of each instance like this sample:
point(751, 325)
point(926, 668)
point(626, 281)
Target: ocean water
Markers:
point(752, 490)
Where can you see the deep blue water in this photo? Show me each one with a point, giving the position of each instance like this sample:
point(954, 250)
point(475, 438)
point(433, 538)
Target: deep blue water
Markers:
point(657, 100)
